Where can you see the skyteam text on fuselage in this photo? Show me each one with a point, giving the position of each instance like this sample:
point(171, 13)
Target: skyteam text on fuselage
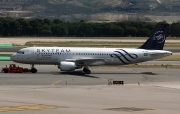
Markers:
point(71, 58)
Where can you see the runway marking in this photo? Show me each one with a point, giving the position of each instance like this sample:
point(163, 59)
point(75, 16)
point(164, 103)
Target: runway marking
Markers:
point(28, 107)
point(56, 82)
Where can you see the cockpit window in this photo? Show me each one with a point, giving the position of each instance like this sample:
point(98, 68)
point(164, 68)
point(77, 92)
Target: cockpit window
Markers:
point(20, 52)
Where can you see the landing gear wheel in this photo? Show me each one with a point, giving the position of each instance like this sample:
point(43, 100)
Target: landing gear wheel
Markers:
point(33, 70)
point(87, 71)
point(5, 71)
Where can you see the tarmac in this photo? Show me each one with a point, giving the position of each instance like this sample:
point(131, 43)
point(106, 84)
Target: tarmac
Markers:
point(145, 91)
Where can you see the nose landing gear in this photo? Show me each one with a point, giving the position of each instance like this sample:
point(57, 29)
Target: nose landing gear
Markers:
point(33, 70)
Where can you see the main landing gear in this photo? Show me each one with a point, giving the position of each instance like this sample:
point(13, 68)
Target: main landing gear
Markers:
point(86, 70)
point(33, 70)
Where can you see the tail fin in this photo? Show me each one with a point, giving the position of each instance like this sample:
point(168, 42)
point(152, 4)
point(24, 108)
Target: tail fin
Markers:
point(157, 39)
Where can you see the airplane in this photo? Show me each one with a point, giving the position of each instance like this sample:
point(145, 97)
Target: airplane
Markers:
point(72, 58)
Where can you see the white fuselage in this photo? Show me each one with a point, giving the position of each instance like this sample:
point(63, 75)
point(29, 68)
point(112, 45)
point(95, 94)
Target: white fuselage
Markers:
point(107, 56)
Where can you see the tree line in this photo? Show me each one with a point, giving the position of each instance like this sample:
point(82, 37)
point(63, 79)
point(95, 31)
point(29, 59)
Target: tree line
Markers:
point(58, 28)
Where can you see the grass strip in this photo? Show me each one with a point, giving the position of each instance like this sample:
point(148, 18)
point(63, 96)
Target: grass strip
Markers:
point(3, 58)
point(6, 55)
point(6, 45)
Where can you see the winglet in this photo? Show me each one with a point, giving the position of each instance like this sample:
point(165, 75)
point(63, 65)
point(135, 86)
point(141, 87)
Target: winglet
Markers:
point(157, 39)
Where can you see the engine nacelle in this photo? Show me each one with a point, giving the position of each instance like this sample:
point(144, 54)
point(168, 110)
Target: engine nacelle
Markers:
point(67, 66)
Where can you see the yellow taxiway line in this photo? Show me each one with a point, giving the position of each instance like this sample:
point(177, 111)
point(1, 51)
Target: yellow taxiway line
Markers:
point(56, 82)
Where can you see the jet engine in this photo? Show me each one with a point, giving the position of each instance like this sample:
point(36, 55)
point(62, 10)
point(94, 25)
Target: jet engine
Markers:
point(67, 66)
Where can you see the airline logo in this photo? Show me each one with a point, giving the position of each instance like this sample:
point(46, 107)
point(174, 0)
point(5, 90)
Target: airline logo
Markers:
point(124, 56)
point(159, 37)
point(53, 50)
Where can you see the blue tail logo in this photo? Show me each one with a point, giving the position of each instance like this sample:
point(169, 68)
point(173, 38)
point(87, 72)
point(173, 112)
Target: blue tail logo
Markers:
point(159, 37)
point(124, 56)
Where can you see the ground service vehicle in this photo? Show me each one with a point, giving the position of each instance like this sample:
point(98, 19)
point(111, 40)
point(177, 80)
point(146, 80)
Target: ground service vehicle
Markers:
point(14, 69)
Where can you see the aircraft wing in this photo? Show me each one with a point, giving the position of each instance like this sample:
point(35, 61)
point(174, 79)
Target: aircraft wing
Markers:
point(91, 61)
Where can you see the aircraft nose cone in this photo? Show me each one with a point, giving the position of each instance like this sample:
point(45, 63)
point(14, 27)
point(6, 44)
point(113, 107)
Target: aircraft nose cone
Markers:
point(13, 58)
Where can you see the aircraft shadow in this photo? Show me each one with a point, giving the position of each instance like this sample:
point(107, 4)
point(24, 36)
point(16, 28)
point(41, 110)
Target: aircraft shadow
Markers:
point(146, 73)
point(74, 73)
point(149, 73)
point(82, 74)
point(78, 73)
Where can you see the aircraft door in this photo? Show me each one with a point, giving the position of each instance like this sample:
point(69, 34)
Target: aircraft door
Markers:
point(35, 57)
point(38, 57)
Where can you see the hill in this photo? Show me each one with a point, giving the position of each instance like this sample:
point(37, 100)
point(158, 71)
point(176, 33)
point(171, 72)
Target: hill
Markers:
point(93, 10)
